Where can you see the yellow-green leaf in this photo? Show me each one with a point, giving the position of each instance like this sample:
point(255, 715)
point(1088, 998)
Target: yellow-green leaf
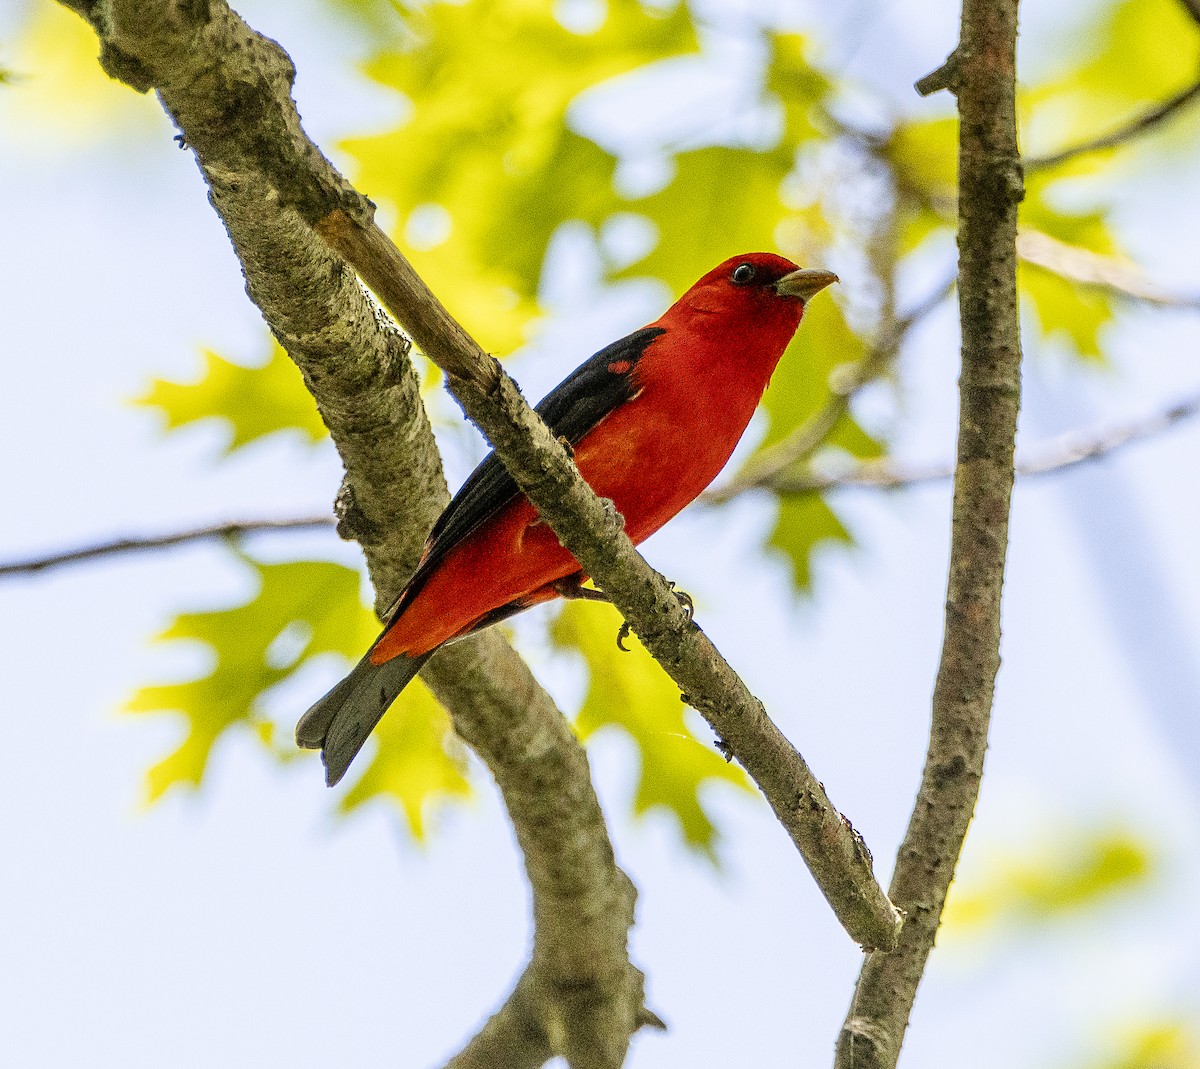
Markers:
point(798, 389)
point(800, 385)
point(802, 525)
point(1157, 1045)
point(1065, 876)
point(630, 691)
point(798, 85)
point(254, 401)
point(58, 93)
point(486, 139)
point(1086, 228)
point(1144, 51)
point(1065, 309)
point(301, 609)
point(721, 202)
point(924, 157)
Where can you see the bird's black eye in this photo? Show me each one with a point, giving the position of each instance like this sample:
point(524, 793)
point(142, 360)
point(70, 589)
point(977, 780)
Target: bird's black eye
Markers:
point(743, 273)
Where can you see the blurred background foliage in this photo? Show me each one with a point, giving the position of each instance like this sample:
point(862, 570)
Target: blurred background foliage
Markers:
point(519, 120)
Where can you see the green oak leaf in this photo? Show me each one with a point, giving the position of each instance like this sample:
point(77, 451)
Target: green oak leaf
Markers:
point(486, 150)
point(800, 385)
point(1158, 1044)
point(722, 201)
point(302, 610)
point(1064, 307)
point(1143, 51)
point(1064, 877)
point(1085, 228)
point(796, 82)
point(318, 601)
point(630, 691)
point(923, 156)
point(803, 524)
point(254, 401)
point(1136, 55)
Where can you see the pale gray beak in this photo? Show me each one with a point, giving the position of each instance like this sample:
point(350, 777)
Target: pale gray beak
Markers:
point(805, 283)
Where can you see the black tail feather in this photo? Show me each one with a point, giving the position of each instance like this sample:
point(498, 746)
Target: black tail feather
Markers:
point(340, 723)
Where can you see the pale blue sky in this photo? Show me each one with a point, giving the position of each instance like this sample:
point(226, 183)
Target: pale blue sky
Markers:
point(191, 934)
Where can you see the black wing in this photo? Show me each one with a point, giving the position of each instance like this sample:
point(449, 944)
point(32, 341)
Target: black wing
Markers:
point(576, 405)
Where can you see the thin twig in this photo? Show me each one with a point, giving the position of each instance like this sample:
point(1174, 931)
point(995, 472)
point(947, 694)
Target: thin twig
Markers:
point(146, 543)
point(806, 439)
point(1134, 128)
point(1052, 458)
point(1094, 269)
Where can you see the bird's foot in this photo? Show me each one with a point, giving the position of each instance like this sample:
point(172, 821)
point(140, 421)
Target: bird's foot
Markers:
point(685, 599)
point(623, 632)
point(689, 609)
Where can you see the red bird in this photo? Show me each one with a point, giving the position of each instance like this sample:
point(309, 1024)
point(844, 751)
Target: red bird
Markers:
point(652, 419)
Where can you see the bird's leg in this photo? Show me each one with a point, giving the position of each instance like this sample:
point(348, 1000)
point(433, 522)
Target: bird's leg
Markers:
point(572, 589)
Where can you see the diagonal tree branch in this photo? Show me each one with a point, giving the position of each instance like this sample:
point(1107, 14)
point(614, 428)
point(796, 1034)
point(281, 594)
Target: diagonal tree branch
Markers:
point(201, 60)
point(144, 543)
point(1129, 131)
point(806, 439)
point(1060, 455)
point(990, 187)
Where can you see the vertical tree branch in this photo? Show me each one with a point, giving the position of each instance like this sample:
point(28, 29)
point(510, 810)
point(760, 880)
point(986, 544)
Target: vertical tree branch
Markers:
point(990, 187)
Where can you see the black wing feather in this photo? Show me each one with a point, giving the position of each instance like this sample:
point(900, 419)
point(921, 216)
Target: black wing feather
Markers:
point(573, 408)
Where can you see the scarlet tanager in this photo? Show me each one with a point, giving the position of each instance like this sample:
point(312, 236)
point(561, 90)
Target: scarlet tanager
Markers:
point(651, 418)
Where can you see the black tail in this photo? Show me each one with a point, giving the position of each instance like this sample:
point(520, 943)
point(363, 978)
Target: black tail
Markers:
point(341, 722)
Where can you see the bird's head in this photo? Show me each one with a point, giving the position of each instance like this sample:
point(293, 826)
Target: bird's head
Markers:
point(756, 286)
point(736, 321)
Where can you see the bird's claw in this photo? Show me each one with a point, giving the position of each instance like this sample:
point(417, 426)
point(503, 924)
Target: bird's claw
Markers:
point(623, 632)
point(685, 600)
